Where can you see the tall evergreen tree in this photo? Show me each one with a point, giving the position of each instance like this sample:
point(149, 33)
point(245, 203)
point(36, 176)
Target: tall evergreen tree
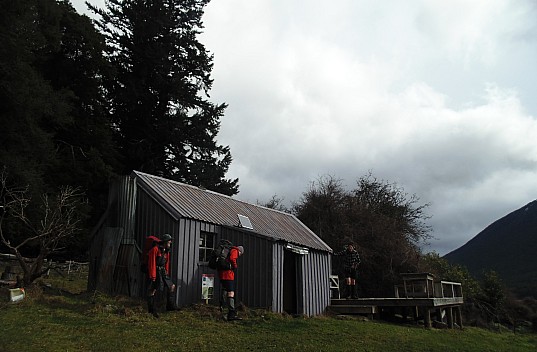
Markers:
point(165, 123)
point(28, 102)
point(73, 63)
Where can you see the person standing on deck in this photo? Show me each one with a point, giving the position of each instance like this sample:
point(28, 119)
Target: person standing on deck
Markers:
point(350, 267)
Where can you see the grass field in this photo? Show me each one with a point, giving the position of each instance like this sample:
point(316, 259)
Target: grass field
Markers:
point(63, 317)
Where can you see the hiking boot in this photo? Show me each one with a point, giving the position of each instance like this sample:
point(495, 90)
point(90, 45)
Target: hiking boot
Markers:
point(170, 305)
point(232, 315)
point(354, 292)
point(347, 292)
point(151, 306)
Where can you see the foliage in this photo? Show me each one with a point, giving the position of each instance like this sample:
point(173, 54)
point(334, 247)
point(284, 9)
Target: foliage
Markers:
point(443, 270)
point(322, 207)
point(54, 132)
point(387, 225)
point(165, 124)
point(487, 301)
point(29, 103)
point(57, 221)
point(73, 62)
point(493, 291)
point(492, 297)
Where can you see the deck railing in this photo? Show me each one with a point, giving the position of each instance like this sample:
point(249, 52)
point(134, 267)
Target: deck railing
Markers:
point(424, 285)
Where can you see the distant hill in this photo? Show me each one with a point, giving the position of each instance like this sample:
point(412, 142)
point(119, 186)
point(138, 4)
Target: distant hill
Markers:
point(507, 246)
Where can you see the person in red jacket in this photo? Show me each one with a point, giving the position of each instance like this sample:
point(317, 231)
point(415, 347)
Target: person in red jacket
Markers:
point(158, 273)
point(227, 279)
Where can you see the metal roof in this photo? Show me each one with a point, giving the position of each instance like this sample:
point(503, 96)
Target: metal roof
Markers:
point(185, 201)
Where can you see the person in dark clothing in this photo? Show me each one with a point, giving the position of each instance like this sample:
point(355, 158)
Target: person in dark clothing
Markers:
point(158, 273)
point(227, 279)
point(350, 267)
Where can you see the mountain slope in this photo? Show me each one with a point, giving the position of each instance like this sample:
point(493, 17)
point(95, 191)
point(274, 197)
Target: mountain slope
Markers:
point(507, 246)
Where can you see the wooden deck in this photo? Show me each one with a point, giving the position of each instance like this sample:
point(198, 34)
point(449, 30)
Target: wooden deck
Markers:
point(441, 309)
point(401, 302)
point(418, 297)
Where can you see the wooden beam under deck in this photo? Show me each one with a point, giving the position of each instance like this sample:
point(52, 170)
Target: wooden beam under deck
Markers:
point(354, 309)
point(400, 302)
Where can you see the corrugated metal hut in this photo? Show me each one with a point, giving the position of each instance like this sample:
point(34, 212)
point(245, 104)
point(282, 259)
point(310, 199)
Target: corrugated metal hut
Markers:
point(285, 267)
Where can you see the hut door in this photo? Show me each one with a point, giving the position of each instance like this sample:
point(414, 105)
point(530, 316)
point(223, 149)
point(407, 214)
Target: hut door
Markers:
point(290, 286)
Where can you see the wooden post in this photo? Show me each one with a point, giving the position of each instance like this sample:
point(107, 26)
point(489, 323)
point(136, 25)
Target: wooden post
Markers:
point(415, 314)
point(404, 313)
point(449, 314)
point(427, 317)
point(439, 315)
point(458, 316)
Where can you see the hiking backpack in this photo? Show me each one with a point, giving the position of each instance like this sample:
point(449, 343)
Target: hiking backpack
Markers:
point(218, 259)
point(150, 242)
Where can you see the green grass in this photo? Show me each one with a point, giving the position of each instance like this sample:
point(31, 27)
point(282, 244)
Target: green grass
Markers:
point(57, 320)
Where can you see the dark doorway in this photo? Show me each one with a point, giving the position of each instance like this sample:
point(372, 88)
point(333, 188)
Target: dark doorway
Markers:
point(289, 282)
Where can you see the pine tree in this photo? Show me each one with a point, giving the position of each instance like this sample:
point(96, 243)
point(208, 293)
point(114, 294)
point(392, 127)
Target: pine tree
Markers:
point(28, 102)
point(159, 95)
point(73, 63)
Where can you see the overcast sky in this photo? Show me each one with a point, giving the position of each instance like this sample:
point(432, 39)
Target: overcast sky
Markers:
point(436, 96)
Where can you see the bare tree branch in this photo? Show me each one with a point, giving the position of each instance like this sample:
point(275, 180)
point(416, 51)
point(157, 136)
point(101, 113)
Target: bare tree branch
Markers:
point(59, 221)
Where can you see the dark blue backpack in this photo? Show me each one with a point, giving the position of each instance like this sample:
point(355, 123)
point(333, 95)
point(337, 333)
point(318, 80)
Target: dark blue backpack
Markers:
point(219, 256)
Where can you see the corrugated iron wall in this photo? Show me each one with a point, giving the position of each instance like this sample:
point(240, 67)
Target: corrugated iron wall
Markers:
point(312, 281)
point(152, 219)
point(189, 272)
point(126, 206)
point(315, 270)
point(254, 275)
point(277, 277)
point(127, 278)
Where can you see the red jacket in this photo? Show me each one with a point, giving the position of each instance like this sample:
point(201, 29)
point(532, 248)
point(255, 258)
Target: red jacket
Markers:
point(152, 259)
point(150, 242)
point(230, 274)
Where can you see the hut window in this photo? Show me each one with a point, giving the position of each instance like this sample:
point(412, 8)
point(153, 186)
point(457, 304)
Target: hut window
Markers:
point(206, 245)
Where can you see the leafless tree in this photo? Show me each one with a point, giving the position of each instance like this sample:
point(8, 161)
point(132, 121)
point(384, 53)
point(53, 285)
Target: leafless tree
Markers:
point(275, 203)
point(387, 225)
point(57, 221)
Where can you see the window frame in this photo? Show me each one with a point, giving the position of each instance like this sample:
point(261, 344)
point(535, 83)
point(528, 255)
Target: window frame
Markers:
point(202, 246)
